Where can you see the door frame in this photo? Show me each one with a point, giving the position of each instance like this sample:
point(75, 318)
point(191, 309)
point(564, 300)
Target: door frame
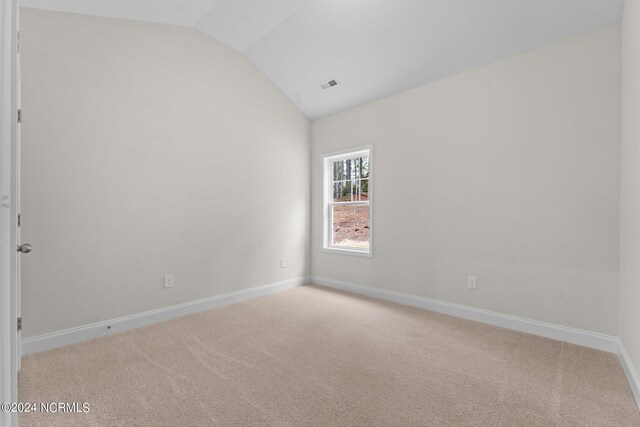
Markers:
point(9, 186)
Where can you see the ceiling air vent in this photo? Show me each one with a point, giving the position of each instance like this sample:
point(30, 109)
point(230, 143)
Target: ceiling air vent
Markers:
point(328, 83)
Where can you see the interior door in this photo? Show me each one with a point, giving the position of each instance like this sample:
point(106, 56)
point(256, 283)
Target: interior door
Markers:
point(9, 207)
point(23, 248)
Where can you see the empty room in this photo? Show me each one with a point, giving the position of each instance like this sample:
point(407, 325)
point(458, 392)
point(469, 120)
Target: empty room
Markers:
point(320, 213)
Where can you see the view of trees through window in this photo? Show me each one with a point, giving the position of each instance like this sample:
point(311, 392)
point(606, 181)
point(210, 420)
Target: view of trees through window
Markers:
point(350, 215)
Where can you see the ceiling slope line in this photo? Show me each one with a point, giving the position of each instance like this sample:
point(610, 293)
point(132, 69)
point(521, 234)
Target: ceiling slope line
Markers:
point(199, 18)
point(241, 25)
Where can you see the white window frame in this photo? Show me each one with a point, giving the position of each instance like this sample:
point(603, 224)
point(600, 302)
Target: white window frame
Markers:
point(327, 202)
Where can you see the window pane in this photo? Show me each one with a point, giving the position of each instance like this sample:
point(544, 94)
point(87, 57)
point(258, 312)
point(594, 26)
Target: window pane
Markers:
point(348, 168)
point(364, 161)
point(359, 165)
point(365, 189)
point(342, 191)
point(361, 190)
point(350, 226)
point(355, 168)
point(339, 173)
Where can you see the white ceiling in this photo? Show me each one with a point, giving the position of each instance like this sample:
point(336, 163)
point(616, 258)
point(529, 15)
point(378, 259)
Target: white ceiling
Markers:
point(176, 12)
point(373, 48)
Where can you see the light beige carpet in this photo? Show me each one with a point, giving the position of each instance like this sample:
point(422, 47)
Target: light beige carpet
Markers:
point(317, 357)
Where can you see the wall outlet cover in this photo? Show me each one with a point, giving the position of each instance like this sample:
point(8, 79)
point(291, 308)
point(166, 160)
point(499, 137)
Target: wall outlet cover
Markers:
point(168, 281)
point(472, 282)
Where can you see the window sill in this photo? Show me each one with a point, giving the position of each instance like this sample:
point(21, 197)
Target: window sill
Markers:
point(344, 251)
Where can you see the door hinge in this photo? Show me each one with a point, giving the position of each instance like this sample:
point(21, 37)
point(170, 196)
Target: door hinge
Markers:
point(19, 324)
point(19, 116)
point(19, 220)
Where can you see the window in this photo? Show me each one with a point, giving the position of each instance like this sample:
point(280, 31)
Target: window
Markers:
point(347, 202)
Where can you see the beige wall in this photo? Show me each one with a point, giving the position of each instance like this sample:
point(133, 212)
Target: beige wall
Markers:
point(630, 184)
point(149, 150)
point(509, 172)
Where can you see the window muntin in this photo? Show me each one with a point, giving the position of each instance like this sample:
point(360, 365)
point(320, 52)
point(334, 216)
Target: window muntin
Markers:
point(347, 203)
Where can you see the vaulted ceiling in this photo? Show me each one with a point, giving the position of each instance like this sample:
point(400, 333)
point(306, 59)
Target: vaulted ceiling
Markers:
point(373, 48)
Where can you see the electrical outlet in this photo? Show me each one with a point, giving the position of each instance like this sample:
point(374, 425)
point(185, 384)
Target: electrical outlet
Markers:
point(283, 263)
point(471, 282)
point(168, 281)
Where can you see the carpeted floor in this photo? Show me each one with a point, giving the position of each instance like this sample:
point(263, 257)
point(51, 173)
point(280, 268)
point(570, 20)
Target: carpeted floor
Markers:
point(317, 357)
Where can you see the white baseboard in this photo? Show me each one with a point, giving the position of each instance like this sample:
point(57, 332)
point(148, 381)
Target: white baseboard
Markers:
point(594, 340)
point(75, 335)
point(629, 371)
